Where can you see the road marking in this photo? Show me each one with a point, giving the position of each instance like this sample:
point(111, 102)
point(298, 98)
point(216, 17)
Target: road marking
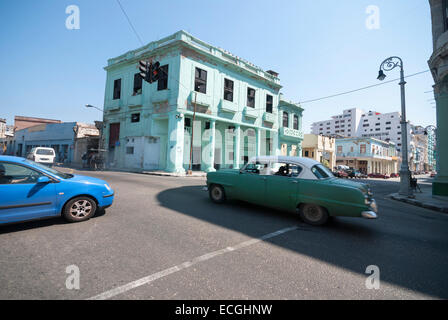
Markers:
point(145, 280)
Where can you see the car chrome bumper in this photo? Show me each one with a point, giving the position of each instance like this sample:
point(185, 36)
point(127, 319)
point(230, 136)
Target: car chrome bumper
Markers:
point(369, 215)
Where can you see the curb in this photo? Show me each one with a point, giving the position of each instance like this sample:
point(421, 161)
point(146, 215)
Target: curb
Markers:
point(419, 203)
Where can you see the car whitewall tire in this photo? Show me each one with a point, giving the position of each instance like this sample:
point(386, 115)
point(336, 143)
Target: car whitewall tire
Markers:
point(217, 194)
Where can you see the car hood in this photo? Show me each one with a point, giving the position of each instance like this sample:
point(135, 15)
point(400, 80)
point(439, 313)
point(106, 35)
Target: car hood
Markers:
point(86, 179)
point(347, 183)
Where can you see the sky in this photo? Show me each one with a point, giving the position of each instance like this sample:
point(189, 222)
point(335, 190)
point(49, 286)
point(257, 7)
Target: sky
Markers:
point(319, 48)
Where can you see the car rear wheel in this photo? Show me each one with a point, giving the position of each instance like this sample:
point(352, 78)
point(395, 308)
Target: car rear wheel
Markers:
point(217, 193)
point(79, 209)
point(313, 214)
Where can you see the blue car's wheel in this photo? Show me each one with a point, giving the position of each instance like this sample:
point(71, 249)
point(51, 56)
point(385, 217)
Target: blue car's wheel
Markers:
point(79, 209)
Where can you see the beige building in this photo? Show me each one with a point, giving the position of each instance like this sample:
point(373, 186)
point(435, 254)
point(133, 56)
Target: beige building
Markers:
point(320, 148)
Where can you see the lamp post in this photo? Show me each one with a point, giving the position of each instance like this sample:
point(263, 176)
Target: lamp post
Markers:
point(387, 65)
point(90, 106)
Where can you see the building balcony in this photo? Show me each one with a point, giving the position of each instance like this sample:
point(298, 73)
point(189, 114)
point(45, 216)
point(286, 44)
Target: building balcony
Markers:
point(113, 105)
point(251, 112)
point(160, 96)
point(228, 106)
point(200, 99)
point(362, 155)
point(269, 117)
point(291, 133)
point(135, 100)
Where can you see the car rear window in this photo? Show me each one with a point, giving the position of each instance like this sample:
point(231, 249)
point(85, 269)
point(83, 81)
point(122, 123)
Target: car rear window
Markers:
point(45, 152)
point(321, 172)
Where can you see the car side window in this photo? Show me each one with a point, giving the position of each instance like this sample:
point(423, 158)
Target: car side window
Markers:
point(256, 168)
point(16, 174)
point(286, 169)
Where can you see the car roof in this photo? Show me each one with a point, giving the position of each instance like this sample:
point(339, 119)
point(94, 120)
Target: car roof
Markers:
point(306, 162)
point(12, 158)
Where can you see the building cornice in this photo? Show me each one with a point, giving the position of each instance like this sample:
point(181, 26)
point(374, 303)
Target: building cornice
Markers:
point(184, 39)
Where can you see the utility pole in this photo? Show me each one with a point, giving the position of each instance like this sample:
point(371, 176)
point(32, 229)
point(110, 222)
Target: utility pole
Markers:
point(190, 172)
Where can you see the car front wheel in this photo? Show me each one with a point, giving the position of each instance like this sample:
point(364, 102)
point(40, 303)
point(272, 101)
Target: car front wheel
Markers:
point(79, 209)
point(217, 194)
point(313, 214)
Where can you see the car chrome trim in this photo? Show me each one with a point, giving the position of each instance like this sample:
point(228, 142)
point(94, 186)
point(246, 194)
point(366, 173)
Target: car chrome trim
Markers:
point(25, 205)
point(369, 215)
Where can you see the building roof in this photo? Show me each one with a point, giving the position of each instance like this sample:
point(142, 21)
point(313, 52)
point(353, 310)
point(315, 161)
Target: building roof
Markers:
point(185, 38)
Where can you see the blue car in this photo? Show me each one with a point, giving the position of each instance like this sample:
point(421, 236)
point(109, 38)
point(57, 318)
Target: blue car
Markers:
point(29, 190)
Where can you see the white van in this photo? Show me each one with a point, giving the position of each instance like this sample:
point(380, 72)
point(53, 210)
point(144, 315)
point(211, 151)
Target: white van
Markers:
point(42, 155)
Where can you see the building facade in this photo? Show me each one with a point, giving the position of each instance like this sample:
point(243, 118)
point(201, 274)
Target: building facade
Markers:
point(438, 63)
point(358, 123)
point(368, 155)
point(320, 148)
point(68, 139)
point(209, 110)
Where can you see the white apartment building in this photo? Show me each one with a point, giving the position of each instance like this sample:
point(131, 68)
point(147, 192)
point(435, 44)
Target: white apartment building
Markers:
point(358, 123)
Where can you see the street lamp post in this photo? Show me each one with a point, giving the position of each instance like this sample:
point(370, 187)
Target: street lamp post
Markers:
point(387, 65)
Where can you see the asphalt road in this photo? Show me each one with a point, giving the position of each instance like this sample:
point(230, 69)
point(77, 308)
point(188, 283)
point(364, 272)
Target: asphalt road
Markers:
point(164, 239)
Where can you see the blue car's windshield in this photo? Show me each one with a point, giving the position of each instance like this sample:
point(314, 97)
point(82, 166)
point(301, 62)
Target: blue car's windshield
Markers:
point(51, 170)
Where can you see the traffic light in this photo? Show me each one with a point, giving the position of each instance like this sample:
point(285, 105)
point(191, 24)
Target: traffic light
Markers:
point(155, 71)
point(144, 67)
point(148, 71)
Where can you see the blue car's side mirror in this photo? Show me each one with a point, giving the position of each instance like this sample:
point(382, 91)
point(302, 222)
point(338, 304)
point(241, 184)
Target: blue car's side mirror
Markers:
point(43, 179)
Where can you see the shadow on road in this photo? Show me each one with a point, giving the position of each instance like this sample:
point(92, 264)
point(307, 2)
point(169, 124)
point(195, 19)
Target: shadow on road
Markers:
point(349, 243)
point(46, 222)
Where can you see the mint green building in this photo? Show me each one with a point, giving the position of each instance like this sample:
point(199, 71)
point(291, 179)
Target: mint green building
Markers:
point(231, 109)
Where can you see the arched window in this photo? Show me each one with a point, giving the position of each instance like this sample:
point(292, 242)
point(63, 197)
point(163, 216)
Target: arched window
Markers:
point(285, 119)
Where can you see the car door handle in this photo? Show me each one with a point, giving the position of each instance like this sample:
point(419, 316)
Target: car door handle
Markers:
point(263, 178)
point(294, 181)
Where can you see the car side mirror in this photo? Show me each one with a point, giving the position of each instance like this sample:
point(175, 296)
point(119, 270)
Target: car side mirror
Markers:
point(43, 179)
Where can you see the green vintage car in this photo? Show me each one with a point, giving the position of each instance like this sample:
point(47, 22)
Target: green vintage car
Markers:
point(294, 184)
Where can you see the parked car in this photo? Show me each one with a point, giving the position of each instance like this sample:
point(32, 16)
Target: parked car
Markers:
point(340, 174)
point(42, 155)
point(433, 174)
point(378, 175)
point(294, 184)
point(354, 174)
point(394, 175)
point(30, 190)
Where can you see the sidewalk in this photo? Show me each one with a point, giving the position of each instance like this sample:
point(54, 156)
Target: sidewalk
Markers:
point(425, 200)
point(173, 174)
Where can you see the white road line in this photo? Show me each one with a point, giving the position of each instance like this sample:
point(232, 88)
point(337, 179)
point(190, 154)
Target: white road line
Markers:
point(145, 280)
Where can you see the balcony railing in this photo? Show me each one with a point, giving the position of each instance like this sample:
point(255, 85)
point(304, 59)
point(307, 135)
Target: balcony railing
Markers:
point(291, 133)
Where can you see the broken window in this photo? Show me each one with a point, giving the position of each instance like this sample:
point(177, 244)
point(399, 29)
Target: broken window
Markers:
point(162, 83)
point(200, 81)
point(251, 97)
point(228, 90)
point(269, 100)
point(296, 122)
point(137, 84)
point(285, 119)
point(117, 89)
point(135, 117)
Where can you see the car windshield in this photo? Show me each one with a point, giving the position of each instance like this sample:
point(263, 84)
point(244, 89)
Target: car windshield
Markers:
point(51, 170)
point(45, 152)
point(321, 172)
